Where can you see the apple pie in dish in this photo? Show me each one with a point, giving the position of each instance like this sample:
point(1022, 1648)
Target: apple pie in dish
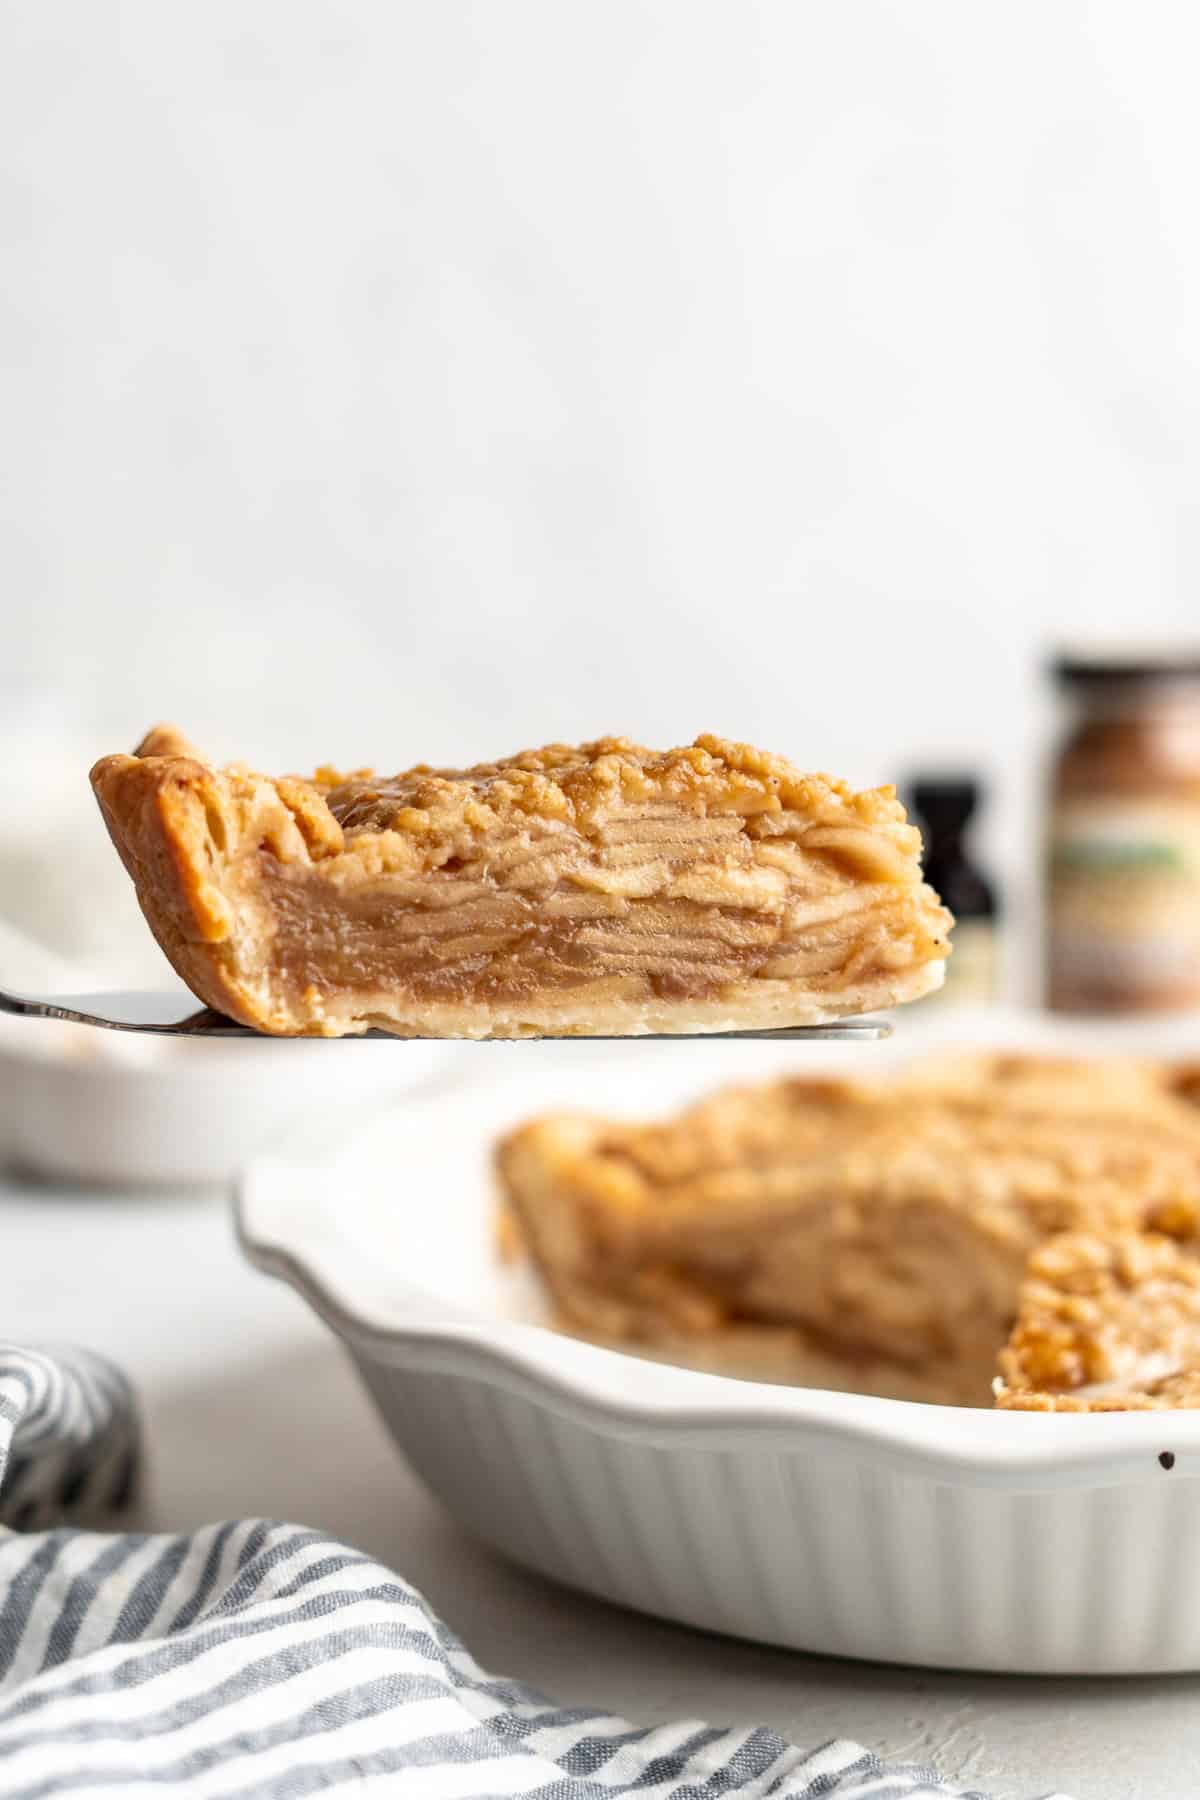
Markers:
point(1004, 1227)
point(599, 890)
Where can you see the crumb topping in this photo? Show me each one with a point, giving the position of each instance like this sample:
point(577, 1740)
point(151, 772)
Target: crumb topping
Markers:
point(1021, 1145)
point(1105, 1323)
point(583, 785)
point(426, 818)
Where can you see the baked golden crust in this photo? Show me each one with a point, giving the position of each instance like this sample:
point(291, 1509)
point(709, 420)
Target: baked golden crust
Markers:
point(1105, 1324)
point(887, 1225)
point(598, 889)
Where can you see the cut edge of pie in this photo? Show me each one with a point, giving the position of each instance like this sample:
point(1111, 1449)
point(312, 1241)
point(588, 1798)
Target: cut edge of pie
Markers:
point(1105, 1323)
point(603, 889)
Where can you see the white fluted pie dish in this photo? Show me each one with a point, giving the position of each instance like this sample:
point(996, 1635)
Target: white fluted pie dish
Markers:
point(836, 1523)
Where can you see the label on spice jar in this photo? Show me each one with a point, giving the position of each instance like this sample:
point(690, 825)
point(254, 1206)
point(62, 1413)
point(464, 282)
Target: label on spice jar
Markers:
point(1124, 905)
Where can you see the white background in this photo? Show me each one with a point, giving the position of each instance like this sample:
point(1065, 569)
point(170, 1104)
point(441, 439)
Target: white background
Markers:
point(400, 381)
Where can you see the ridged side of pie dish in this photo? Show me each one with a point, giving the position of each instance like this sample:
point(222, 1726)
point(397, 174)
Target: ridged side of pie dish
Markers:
point(604, 889)
point(836, 1523)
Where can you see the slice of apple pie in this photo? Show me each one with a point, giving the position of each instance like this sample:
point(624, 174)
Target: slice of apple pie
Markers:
point(871, 1236)
point(600, 890)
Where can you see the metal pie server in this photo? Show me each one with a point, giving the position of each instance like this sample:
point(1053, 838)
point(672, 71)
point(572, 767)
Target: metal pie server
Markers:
point(175, 1014)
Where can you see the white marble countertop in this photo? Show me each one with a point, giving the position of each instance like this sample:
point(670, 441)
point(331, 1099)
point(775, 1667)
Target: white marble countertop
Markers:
point(252, 1409)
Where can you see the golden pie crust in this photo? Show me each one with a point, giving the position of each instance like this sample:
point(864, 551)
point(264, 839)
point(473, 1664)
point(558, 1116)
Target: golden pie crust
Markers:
point(864, 1235)
point(599, 890)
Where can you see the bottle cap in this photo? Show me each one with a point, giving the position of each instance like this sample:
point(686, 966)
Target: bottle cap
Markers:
point(1132, 668)
point(944, 801)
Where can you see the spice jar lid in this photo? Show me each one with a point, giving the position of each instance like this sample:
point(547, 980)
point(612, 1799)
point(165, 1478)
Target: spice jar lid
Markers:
point(943, 796)
point(1084, 669)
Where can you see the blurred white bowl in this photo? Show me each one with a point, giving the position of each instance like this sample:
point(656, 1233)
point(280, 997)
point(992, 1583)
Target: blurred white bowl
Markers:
point(106, 1110)
point(110, 1109)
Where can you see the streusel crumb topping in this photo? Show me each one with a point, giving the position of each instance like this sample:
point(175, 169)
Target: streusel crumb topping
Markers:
point(1105, 1323)
point(580, 785)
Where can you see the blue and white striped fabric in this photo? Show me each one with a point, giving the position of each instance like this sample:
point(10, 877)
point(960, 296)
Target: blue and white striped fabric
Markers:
point(254, 1659)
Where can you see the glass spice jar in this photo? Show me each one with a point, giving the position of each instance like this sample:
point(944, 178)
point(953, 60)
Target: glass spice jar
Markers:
point(1123, 852)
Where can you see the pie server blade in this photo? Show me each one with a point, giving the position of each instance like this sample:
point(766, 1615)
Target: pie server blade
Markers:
point(175, 1015)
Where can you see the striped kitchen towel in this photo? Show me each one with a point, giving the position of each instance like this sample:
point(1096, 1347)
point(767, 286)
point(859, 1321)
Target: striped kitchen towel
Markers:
point(254, 1659)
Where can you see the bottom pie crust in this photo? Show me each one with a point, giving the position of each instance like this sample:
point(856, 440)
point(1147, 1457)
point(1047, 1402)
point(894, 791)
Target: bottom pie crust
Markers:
point(616, 1009)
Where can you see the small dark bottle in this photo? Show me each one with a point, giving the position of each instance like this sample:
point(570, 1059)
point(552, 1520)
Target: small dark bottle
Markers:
point(942, 807)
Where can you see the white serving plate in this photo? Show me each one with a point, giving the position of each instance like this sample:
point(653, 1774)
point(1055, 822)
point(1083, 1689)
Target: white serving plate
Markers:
point(827, 1522)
